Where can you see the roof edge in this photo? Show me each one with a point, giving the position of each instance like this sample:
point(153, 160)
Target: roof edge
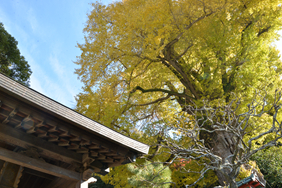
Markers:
point(33, 96)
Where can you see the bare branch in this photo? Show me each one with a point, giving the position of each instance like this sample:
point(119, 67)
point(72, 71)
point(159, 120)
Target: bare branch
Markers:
point(230, 129)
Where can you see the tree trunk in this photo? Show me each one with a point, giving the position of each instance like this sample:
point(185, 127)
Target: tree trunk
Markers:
point(222, 144)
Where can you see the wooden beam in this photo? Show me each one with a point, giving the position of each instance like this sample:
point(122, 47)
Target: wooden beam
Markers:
point(49, 149)
point(39, 174)
point(19, 175)
point(112, 154)
point(35, 164)
point(82, 150)
point(53, 129)
point(41, 135)
point(94, 146)
point(14, 111)
point(95, 169)
point(53, 138)
point(94, 154)
point(73, 147)
point(76, 138)
point(32, 130)
point(84, 142)
point(77, 133)
point(116, 163)
point(119, 157)
point(65, 134)
point(41, 124)
point(101, 157)
point(108, 160)
point(10, 175)
point(103, 136)
point(64, 143)
point(98, 164)
point(105, 150)
point(87, 174)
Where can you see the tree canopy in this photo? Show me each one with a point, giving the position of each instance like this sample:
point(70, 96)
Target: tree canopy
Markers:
point(144, 61)
point(11, 62)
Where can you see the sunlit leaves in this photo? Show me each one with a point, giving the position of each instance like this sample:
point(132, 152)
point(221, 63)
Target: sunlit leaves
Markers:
point(178, 52)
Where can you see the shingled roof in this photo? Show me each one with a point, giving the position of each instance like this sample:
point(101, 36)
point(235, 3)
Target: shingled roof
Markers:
point(46, 104)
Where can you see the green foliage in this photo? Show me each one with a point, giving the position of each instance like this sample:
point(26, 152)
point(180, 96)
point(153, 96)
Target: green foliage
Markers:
point(149, 175)
point(138, 175)
point(270, 164)
point(118, 176)
point(11, 62)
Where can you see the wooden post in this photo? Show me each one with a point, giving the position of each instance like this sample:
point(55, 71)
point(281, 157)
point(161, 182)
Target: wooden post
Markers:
point(35, 164)
point(10, 175)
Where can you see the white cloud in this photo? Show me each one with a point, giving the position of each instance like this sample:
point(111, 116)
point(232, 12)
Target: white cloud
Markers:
point(57, 67)
point(31, 18)
point(65, 78)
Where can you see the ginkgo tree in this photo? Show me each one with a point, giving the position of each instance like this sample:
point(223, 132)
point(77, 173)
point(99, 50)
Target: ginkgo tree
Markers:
point(144, 61)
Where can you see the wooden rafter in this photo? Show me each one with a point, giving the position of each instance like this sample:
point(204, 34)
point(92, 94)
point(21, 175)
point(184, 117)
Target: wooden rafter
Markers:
point(15, 95)
point(19, 138)
point(35, 164)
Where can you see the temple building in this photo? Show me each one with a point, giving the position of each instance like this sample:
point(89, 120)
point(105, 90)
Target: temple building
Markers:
point(45, 144)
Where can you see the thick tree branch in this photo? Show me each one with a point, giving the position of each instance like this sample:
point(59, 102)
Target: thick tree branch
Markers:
point(184, 52)
point(171, 93)
point(263, 31)
point(153, 102)
point(187, 83)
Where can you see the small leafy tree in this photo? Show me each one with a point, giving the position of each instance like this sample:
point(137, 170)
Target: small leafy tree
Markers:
point(149, 175)
point(11, 62)
point(118, 177)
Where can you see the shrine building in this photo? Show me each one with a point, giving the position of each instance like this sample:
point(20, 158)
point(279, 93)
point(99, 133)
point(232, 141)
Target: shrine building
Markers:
point(45, 144)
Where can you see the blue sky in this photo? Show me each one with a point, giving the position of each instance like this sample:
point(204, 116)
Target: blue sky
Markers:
point(47, 32)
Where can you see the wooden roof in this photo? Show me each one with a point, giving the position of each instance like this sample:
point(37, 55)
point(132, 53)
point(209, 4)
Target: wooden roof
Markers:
point(28, 118)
